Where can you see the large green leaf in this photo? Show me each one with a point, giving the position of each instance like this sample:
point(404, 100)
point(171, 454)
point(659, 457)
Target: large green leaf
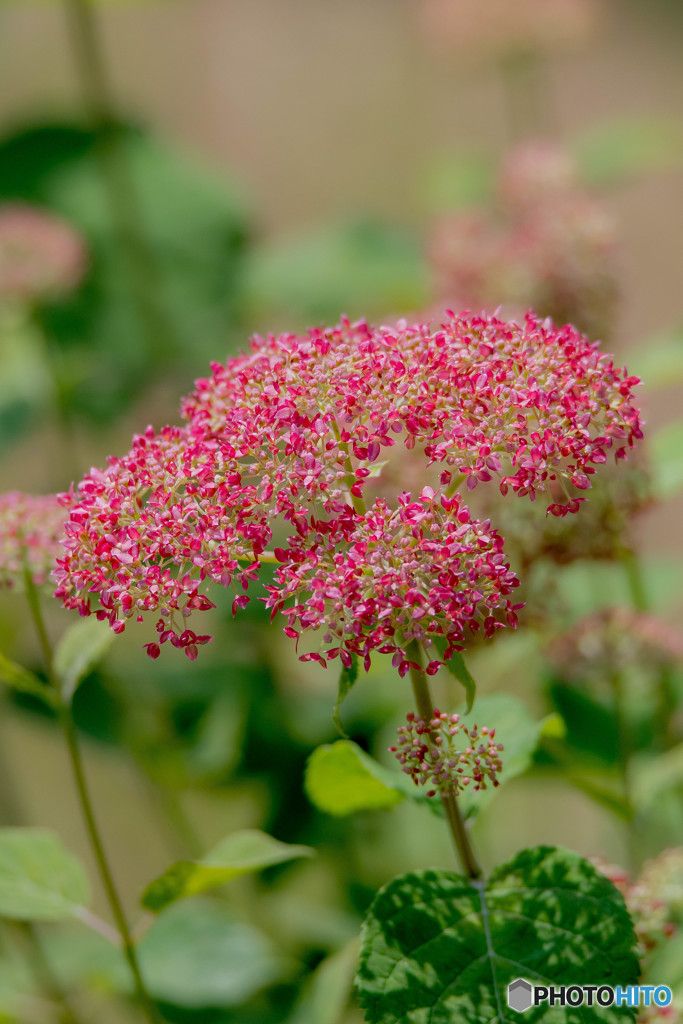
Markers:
point(439, 949)
point(80, 649)
point(241, 853)
point(39, 879)
point(342, 779)
point(196, 954)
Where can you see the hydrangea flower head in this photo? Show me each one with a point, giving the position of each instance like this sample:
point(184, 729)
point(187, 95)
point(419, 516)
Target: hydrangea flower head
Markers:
point(31, 532)
point(282, 448)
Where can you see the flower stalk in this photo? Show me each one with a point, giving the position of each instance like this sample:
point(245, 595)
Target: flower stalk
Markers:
point(456, 824)
point(70, 735)
point(121, 193)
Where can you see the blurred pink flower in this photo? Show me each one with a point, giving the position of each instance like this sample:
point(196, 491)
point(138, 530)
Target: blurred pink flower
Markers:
point(478, 28)
point(31, 534)
point(655, 903)
point(280, 446)
point(40, 254)
point(613, 640)
point(547, 246)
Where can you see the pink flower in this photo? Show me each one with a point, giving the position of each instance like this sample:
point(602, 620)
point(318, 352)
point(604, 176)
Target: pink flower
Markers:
point(280, 446)
point(31, 532)
point(377, 580)
point(40, 254)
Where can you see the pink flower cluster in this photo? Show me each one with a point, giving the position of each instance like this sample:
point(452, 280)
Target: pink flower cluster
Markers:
point(654, 899)
point(547, 245)
point(40, 254)
point(429, 754)
point(282, 447)
point(422, 570)
point(31, 532)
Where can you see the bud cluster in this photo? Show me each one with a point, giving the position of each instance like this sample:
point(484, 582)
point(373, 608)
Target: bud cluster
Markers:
point(430, 754)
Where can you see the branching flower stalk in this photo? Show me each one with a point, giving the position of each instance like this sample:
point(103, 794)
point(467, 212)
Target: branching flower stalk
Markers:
point(456, 823)
point(71, 737)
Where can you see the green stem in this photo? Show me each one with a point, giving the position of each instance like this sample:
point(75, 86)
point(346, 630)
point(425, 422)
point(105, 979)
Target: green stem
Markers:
point(526, 93)
point(636, 580)
point(44, 975)
point(121, 193)
point(633, 568)
point(624, 740)
point(425, 709)
point(69, 729)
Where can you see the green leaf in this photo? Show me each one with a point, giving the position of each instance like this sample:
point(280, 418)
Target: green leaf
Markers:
point(437, 948)
point(520, 735)
point(609, 798)
point(197, 954)
point(591, 724)
point(659, 361)
point(84, 959)
point(241, 853)
point(19, 678)
point(457, 667)
point(667, 460)
point(653, 776)
point(347, 678)
point(83, 645)
point(457, 180)
point(329, 992)
point(342, 779)
point(628, 146)
point(363, 268)
point(39, 879)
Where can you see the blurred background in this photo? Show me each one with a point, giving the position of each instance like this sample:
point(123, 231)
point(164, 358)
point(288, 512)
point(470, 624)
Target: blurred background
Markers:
point(177, 175)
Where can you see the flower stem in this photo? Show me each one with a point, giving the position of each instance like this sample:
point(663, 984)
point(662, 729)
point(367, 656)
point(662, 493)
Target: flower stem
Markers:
point(70, 735)
point(138, 261)
point(456, 824)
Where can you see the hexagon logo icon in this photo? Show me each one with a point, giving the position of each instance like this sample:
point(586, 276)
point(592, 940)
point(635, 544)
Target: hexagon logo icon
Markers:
point(520, 995)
